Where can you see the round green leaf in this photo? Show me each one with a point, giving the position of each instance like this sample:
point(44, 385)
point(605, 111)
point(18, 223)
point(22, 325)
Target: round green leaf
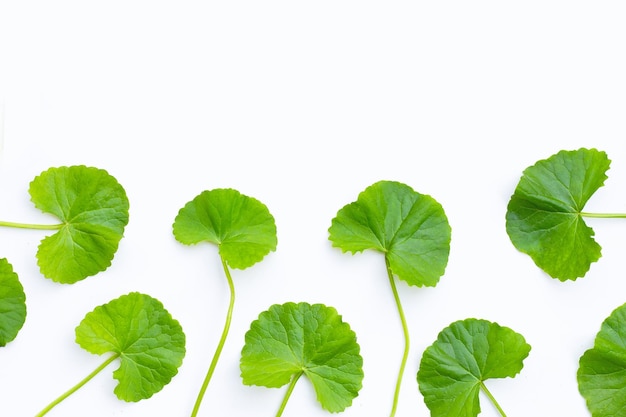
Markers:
point(466, 353)
point(241, 226)
point(544, 219)
point(12, 303)
point(290, 339)
point(93, 209)
point(602, 369)
point(410, 228)
point(148, 341)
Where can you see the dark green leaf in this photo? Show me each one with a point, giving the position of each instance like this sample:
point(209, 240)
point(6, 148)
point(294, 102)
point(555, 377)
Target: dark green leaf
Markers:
point(12, 303)
point(543, 216)
point(292, 338)
point(466, 353)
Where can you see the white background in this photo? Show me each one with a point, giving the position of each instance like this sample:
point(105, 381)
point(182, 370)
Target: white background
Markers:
point(302, 105)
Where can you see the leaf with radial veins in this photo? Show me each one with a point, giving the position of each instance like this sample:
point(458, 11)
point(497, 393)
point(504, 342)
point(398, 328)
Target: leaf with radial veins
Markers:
point(12, 303)
point(149, 342)
point(241, 226)
point(93, 208)
point(602, 369)
point(543, 216)
point(292, 338)
point(465, 354)
point(410, 228)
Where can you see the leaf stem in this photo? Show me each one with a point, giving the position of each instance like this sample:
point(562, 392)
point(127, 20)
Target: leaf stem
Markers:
point(407, 342)
point(492, 398)
point(605, 215)
point(32, 226)
point(222, 341)
point(77, 386)
point(292, 385)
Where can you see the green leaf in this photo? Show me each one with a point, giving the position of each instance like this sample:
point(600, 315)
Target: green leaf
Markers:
point(465, 354)
point(243, 230)
point(12, 303)
point(241, 226)
point(292, 339)
point(602, 369)
point(410, 228)
point(93, 208)
point(544, 218)
point(148, 341)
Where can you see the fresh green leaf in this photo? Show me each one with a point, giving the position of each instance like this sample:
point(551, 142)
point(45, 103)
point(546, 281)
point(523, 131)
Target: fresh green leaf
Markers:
point(410, 228)
point(12, 303)
point(241, 226)
point(453, 369)
point(149, 342)
point(136, 329)
point(291, 340)
point(602, 369)
point(93, 209)
point(243, 230)
point(544, 216)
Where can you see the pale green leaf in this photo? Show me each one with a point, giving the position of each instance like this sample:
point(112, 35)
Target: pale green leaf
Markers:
point(136, 328)
point(241, 226)
point(602, 369)
point(290, 339)
point(93, 208)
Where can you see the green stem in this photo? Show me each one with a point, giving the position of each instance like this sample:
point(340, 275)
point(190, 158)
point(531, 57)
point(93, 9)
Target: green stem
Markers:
point(292, 385)
point(220, 346)
point(492, 398)
point(605, 215)
point(32, 226)
point(407, 342)
point(77, 386)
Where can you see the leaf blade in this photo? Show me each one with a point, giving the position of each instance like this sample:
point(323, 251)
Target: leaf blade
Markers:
point(12, 303)
point(543, 215)
point(149, 342)
point(410, 228)
point(601, 374)
point(94, 210)
point(291, 338)
point(241, 226)
point(465, 354)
